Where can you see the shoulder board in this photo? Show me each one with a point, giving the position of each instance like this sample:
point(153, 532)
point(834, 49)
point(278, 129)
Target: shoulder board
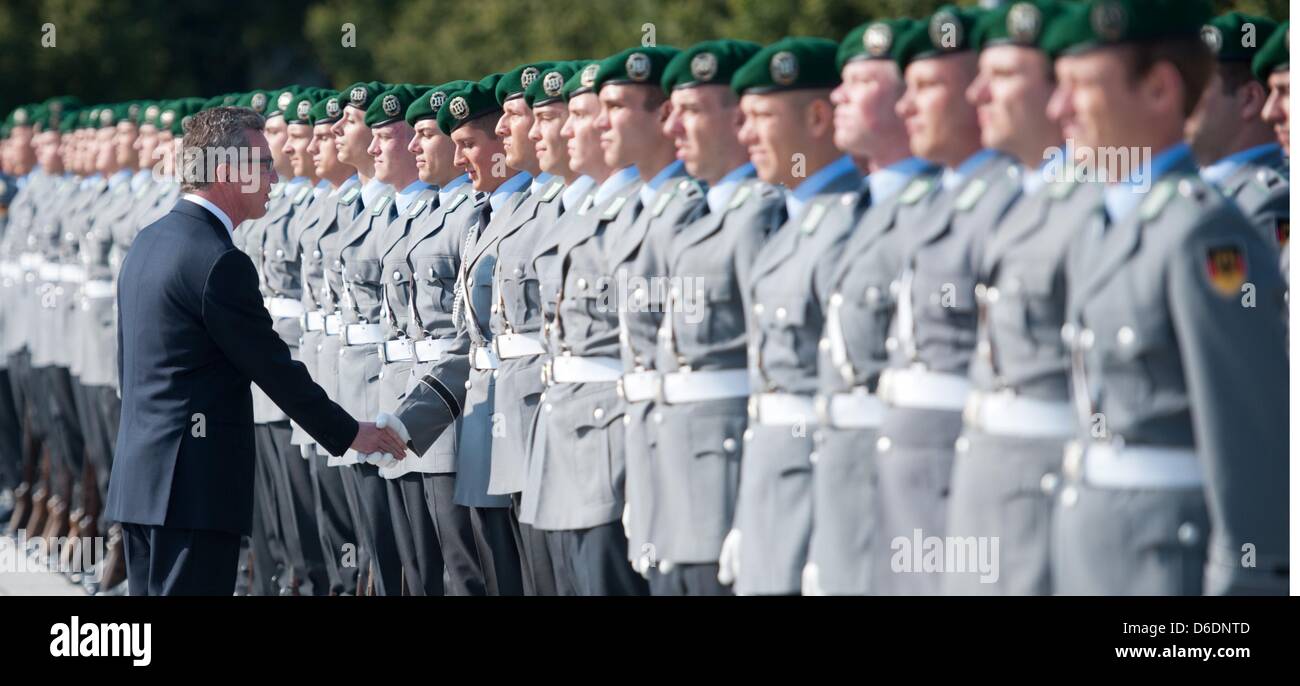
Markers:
point(1061, 189)
point(275, 192)
point(1269, 179)
point(915, 190)
point(139, 192)
point(614, 207)
point(121, 189)
point(587, 203)
point(382, 204)
point(1160, 196)
point(813, 218)
point(553, 190)
point(350, 196)
point(455, 202)
point(301, 194)
point(661, 202)
point(971, 194)
point(415, 209)
point(739, 197)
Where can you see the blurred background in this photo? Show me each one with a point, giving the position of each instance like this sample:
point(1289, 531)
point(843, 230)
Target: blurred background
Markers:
point(114, 50)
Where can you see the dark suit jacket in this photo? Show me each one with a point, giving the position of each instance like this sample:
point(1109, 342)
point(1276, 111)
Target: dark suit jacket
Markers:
point(192, 334)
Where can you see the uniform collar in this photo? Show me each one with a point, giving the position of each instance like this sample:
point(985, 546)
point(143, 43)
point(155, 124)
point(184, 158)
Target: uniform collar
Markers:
point(216, 211)
point(1218, 172)
point(1123, 196)
point(954, 177)
point(140, 178)
point(615, 183)
point(446, 191)
point(576, 191)
point(795, 201)
point(651, 187)
point(322, 187)
point(539, 181)
point(346, 185)
point(720, 193)
point(1033, 181)
point(118, 178)
point(886, 183)
point(372, 190)
point(510, 187)
point(407, 195)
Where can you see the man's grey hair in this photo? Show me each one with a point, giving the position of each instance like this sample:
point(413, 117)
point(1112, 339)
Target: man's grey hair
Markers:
point(211, 137)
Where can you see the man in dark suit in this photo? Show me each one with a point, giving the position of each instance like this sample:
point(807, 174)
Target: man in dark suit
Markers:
point(193, 333)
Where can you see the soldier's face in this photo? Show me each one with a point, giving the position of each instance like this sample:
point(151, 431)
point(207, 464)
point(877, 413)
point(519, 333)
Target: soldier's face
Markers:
point(512, 129)
point(352, 138)
point(1277, 111)
point(23, 156)
point(124, 140)
point(864, 105)
point(548, 143)
point(941, 122)
point(704, 124)
point(774, 134)
point(628, 131)
point(324, 158)
point(435, 153)
point(583, 139)
point(1010, 95)
point(1094, 103)
point(394, 164)
point(295, 145)
point(1218, 115)
point(145, 143)
point(277, 133)
point(105, 151)
point(478, 153)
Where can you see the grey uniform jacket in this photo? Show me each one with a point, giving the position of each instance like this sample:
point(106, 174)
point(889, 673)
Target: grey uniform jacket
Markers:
point(1173, 323)
point(1262, 189)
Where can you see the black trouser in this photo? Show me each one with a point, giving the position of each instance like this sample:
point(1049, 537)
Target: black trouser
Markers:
point(495, 540)
point(335, 528)
point(455, 529)
point(417, 539)
point(594, 562)
point(534, 556)
point(351, 479)
point(687, 579)
point(11, 455)
point(267, 541)
point(169, 561)
point(293, 491)
point(372, 491)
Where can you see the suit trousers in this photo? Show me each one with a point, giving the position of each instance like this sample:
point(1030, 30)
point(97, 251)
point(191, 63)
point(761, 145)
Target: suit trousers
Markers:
point(163, 560)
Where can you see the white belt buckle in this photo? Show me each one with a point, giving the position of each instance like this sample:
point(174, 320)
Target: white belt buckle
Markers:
point(395, 351)
point(485, 359)
point(314, 321)
point(333, 325)
point(428, 350)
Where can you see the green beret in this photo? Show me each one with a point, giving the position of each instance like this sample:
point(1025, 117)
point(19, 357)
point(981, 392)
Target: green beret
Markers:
point(150, 115)
point(390, 106)
point(361, 94)
point(711, 63)
point(1226, 35)
point(430, 100)
point(254, 100)
point(1022, 23)
point(326, 109)
point(791, 63)
point(22, 115)
point(1100, 23)
point(548, 87)
point(467, 104)
point(874, 40)
point(637, 66)
point(946, 32)
point(57, 105)
point(514, 82)
point(68, 121)
point(110, 115)
point(1275, 55)
point(280, 100)
point(583, 79)
point(299, 109)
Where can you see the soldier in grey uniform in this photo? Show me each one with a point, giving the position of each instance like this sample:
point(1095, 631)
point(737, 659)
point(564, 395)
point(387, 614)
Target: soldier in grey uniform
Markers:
point(858, 308)
point(1018, 417)
point(700, 412)
point(335, 511)
point(1176, 484)
point(1235, 147)
point(933, 330)
point(789, 130)
point(471, 116)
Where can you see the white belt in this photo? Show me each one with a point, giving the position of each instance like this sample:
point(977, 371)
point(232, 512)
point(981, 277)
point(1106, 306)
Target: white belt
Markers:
point(333, 325)
point(483, 358)
point(922, 389)
point(98, 288)
point(856, 409)
point(31, 260)
point(512, 345)
point(399, 350)
point(10, 270)
point(313, 321)
point(1006, 414)
point(431, 349)
point(283, 308)
point(49, 272)
point(363, 334)
point(782, 409)
point(574, 369)
point(1115, 465)
point(637, 387)
point(710, 384)
point(72, 273)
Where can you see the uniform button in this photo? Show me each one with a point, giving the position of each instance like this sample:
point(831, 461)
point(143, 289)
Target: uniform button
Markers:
point(891, 344)
point(846, 199)
point(962, 444)
point(1125, 336)
point(728, 445)
point(1069, 496)
point(981, 292)
point(470, 281)
point(824, 344)
point(627, 420)
point(780, 313)
point(315, 254)
point(984, 349)
point(542, 397)
point(1086, 338)
point(836, 299)
point(1189, 534)
point(846, 370)
point(993, 295)
point(1067, 333)
point(748, 435)
point(496, 374)
point(548, 407)
point(812, 457)
point(582, 284)
point(883, 444)
point(519, 272)
point(397, 276)
point(467, 384)
point(1049, 482)
point(818, 436)
point(873, 294)
point(598, 414)
point(659, 418)
point(319, 348)
point(279, 253)
point(758, 308)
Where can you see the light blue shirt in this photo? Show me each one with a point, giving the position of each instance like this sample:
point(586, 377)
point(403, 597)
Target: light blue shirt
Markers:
point(615, 183)
point(346, 185)
point(954, 178)
point(1123, 197)
point(888, 182)
point(118, 178)
point(651, 188)
point(322, 187)
point(406, 196)
point(139, 178)
point(721, 193)
point(371, 190)
point(1032, 181)
point(799, 197)
point(576, 191)
point(540, 180)
point(512, 185)
point(1218, 172)
point(446, 191)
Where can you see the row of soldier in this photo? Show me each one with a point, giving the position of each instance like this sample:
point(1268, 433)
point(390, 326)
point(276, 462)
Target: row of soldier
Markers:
point(646, 327)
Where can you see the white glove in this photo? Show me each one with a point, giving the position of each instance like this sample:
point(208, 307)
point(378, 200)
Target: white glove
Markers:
point(307, 450)
point(812, 580)
point(729, 558)
point(388, 421)
point(627, 519)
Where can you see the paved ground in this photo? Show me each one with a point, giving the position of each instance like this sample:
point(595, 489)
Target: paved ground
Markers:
point(15, 579)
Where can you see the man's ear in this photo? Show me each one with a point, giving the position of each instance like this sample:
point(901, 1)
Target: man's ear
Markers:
point(819, 114)
point(1251, 97)
point(1161, 89)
